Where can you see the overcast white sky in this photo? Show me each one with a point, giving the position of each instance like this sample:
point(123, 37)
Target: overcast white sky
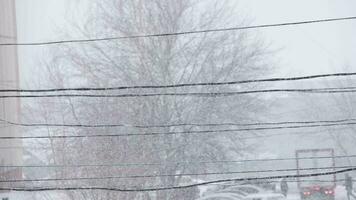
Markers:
point(305, 49)
point(315, 48)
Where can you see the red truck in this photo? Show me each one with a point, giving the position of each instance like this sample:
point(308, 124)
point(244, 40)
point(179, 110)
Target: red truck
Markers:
point(311, 161)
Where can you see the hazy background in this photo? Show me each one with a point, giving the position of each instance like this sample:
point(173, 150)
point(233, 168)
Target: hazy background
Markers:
point(300, 50)
point(304, 49)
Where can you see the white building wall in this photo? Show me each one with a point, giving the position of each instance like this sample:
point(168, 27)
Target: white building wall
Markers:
point(10, 150)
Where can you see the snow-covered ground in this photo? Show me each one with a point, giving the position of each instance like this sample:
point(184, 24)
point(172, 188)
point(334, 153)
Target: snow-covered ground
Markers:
point(340, 193)
point(293, 196)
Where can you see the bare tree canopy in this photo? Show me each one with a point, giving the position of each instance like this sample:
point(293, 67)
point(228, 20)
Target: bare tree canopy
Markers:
point(224, 56)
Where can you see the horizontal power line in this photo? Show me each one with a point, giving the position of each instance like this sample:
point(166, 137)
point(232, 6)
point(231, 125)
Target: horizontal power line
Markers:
point(289, 181)
point(316, 76)
point(171, 175)
point(177, 33)
point(175, 163)
point(274, 134)
point(193, 94)
point(173, 125)
point(177, 132)
point(137, 189)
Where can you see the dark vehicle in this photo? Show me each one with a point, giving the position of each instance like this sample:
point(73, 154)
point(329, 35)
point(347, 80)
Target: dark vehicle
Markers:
point(316, 161)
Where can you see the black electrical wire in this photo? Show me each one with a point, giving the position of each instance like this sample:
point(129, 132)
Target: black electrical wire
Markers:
point(172, 175)
point(177, 33)
point(137, 189)
point(173, 125)
point(193, 94)
point(174, 163)
point(281, 134)
point(316, 76)
point(176, 132)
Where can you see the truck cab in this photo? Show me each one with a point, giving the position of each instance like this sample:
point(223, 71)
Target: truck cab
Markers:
point(311, 161)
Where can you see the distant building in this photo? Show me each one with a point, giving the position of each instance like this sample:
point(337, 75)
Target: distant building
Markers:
point(10, 150)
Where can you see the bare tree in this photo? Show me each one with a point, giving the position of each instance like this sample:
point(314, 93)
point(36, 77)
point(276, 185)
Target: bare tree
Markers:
point(206, 57)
